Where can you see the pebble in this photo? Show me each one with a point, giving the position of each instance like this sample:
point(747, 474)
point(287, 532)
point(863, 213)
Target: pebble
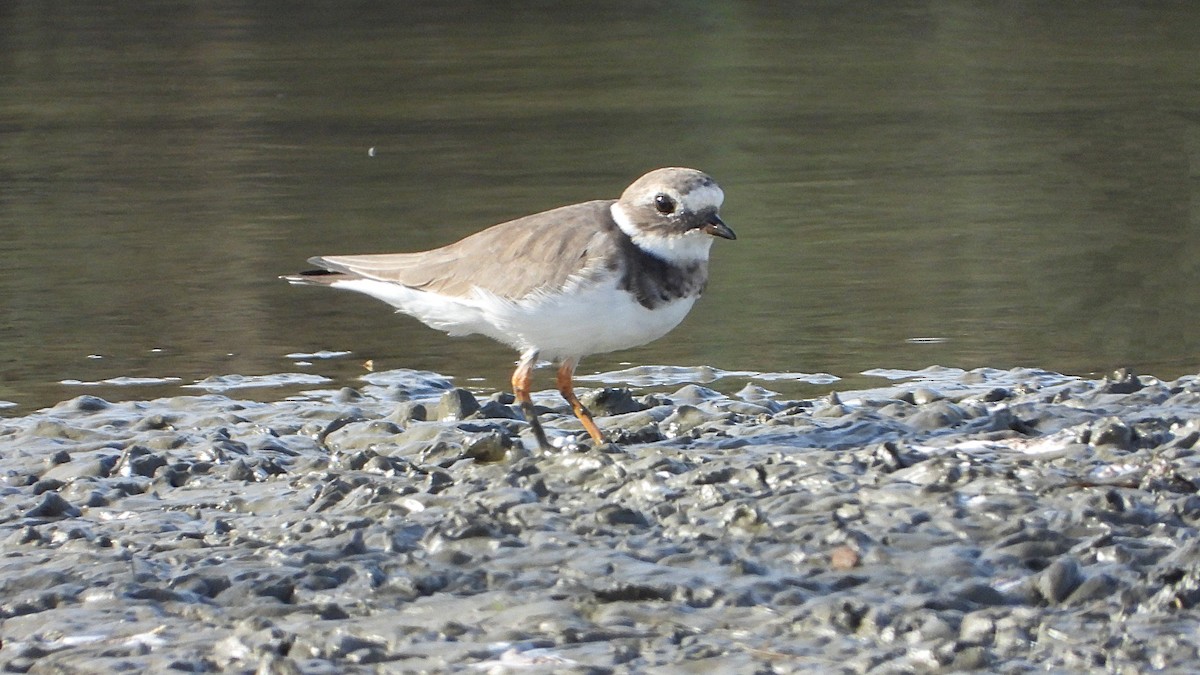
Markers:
point(456, 404)
point(987, 520)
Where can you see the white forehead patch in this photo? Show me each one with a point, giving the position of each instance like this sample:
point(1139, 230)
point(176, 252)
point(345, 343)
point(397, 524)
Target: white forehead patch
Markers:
point(701, 198)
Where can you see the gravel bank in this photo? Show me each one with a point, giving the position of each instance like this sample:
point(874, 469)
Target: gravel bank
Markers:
point(1010, 521)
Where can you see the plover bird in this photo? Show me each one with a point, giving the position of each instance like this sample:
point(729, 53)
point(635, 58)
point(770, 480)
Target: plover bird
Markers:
point(559, 285)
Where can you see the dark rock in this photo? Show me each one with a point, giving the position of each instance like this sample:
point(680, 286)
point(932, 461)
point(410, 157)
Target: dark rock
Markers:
point(498, 410)
point(408, 411)
point(685, 418)
point(456, 404)
point(347, 395)
point(491, 446)
point(937, 415)
point(85, 404)
point(608, 401)
point(137, 460)
point(52, 505)
point(1059, 580)
point(612, 514)
point(1122, 381)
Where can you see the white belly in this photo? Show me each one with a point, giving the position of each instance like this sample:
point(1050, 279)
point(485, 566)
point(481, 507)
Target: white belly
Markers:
point(588, 320)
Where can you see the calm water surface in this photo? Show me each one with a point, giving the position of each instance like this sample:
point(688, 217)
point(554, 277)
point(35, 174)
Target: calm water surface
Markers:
point(912, 183)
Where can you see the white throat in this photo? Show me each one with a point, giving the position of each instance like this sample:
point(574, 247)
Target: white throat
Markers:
point(683, 248)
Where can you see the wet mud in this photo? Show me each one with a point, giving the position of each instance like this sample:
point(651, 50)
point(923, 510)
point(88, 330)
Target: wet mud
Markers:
point(1007, 521)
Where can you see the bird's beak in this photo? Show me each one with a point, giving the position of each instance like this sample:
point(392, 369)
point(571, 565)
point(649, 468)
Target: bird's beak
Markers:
point(716, 227)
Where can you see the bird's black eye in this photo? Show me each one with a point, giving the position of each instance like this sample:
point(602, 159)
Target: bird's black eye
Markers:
point(664, 204)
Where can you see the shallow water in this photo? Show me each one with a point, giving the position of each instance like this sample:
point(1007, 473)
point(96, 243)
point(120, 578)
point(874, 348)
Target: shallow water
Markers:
point(912, 183)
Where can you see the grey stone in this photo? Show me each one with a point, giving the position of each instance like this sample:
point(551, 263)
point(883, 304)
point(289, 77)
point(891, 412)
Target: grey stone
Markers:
point(52, 505)
point(456, 404)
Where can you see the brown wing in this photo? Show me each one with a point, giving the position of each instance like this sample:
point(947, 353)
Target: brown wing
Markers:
point(511, 259)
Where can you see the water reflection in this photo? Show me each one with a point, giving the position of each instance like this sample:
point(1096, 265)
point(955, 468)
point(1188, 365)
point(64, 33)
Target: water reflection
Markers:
point(1014, 179)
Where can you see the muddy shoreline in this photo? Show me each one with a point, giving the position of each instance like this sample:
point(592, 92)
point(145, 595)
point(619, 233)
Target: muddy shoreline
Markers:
point(1009, 521)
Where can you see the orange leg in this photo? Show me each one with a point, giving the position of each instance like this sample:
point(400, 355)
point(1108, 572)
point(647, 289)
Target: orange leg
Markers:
point(522, 383)
point(566, 387)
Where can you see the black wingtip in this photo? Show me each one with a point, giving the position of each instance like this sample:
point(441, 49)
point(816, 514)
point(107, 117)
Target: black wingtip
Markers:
point(312, 277)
